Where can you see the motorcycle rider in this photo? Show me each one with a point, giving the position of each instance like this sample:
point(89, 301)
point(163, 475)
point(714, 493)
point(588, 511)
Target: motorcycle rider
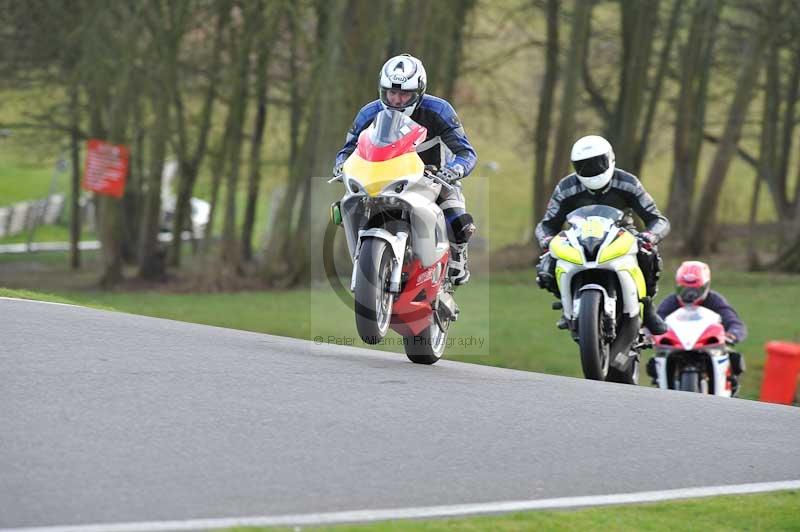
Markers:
point(401, 87)
point(597, 181)
point(693, 287)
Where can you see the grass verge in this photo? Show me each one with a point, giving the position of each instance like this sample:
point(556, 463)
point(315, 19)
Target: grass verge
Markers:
point(770, 511)
point(506, 312)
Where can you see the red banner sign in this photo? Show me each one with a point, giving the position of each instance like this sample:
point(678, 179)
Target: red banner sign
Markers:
point(106, 168)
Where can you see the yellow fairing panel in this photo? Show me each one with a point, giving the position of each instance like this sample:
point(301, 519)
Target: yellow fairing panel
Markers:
point(561, 250)
point(374, 176)
point(559, 274)
point(638, 278)
point(617, 248)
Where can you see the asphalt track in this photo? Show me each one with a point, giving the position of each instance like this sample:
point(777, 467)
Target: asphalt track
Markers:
point(113, 418)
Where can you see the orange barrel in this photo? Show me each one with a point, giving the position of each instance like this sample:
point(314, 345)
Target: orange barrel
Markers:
point(780, 372)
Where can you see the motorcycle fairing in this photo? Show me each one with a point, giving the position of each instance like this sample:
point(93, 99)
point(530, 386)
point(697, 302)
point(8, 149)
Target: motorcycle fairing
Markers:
point(371, 150)
point(412, 309)
point(373, 177)
point(694, 328)
point(385, 153)
point(695, 334)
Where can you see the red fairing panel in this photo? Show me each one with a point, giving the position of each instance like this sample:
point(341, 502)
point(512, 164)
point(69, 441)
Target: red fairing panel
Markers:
point(713, 335)
point(670, 339)
point(372, 153)
point(411, 317)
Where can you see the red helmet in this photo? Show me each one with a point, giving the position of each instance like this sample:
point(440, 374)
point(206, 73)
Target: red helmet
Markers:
point(693, 282)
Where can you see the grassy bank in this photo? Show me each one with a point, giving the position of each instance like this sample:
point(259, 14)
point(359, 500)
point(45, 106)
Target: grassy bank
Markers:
point(506, 321)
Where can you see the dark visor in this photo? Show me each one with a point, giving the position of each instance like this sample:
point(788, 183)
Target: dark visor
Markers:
point(592, 166)
point(689, 294)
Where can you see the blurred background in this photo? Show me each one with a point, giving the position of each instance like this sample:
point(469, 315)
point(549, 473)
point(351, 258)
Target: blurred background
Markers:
point(230, 109)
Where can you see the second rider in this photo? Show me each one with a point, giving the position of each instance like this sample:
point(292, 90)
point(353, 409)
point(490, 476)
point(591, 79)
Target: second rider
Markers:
point(597, 181)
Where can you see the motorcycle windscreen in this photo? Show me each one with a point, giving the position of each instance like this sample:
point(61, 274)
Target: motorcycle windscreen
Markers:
point(580, 214)
point(390, 135)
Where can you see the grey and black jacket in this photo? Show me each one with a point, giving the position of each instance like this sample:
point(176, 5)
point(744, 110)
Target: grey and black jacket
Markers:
point(624, 192)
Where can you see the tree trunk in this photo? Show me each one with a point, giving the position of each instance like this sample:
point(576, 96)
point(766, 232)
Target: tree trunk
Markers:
point(75, 183)
point(789, 121)
point(189, 162)
point(230, 252)
point(770, 121)
point(704, 219)
point(218, 168)
point(151, 256)
point(658, 83)
point(256, 143)
point(543, 118)
point(689, 115)
point(638, 23)
point(572, 71)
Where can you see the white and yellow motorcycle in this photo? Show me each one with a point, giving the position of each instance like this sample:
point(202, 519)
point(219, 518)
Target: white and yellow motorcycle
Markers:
point(601, 285)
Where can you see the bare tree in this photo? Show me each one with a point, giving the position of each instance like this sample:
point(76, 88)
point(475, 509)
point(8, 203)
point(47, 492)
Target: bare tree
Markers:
point(543, 117)
point(190, 158)
point(705, 215)
point(572, 71)
point(690, 112)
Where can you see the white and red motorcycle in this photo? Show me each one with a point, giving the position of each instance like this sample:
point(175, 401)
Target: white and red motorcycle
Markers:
point(692, 356)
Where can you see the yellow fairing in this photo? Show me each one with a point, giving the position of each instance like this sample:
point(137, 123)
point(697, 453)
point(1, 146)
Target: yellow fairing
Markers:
point(374, 176)
point(561, 250)
point(617, 248)
point(638, 278)
point(559, 273)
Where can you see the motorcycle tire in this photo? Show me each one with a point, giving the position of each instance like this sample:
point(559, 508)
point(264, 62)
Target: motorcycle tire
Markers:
point(428, 346)
point(373, 301)
point(690, 381)
point(594, 352)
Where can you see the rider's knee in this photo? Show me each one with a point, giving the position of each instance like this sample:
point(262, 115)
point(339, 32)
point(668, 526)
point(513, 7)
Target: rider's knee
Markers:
point(463, 227)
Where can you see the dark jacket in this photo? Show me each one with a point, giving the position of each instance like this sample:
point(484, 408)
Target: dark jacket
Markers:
point(624, 192)
point(433, 113)
point(716, 302)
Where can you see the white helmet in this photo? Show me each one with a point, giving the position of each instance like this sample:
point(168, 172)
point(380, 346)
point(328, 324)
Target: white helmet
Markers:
point(404, 73)
point(593, 159)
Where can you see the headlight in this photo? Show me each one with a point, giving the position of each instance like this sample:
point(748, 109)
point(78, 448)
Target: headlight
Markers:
point(396, 187)
point(561, 248)
point(354, 186)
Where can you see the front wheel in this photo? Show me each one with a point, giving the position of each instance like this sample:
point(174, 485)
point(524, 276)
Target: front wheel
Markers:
point(428, 346)
point(373, 301)
point(594, 350)
point(690, 381)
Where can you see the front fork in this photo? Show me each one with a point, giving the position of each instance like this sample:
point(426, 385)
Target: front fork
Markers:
point(397, 243)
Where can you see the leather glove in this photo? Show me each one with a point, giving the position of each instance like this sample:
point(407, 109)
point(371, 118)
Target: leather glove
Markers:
point(730, 338)
point(338, 170)
point(647, 239)
point(545, 243)
point(451, 173)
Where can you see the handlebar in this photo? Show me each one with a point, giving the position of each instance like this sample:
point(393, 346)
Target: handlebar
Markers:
point(434, 177)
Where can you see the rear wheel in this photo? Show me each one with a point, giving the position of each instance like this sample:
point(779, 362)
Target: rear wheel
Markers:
point(690, 381)
point(594, 351)
point(373, 301)
point(428, 346)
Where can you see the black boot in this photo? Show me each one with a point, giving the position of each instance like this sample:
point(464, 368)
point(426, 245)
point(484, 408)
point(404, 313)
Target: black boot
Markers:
point(652, 320)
